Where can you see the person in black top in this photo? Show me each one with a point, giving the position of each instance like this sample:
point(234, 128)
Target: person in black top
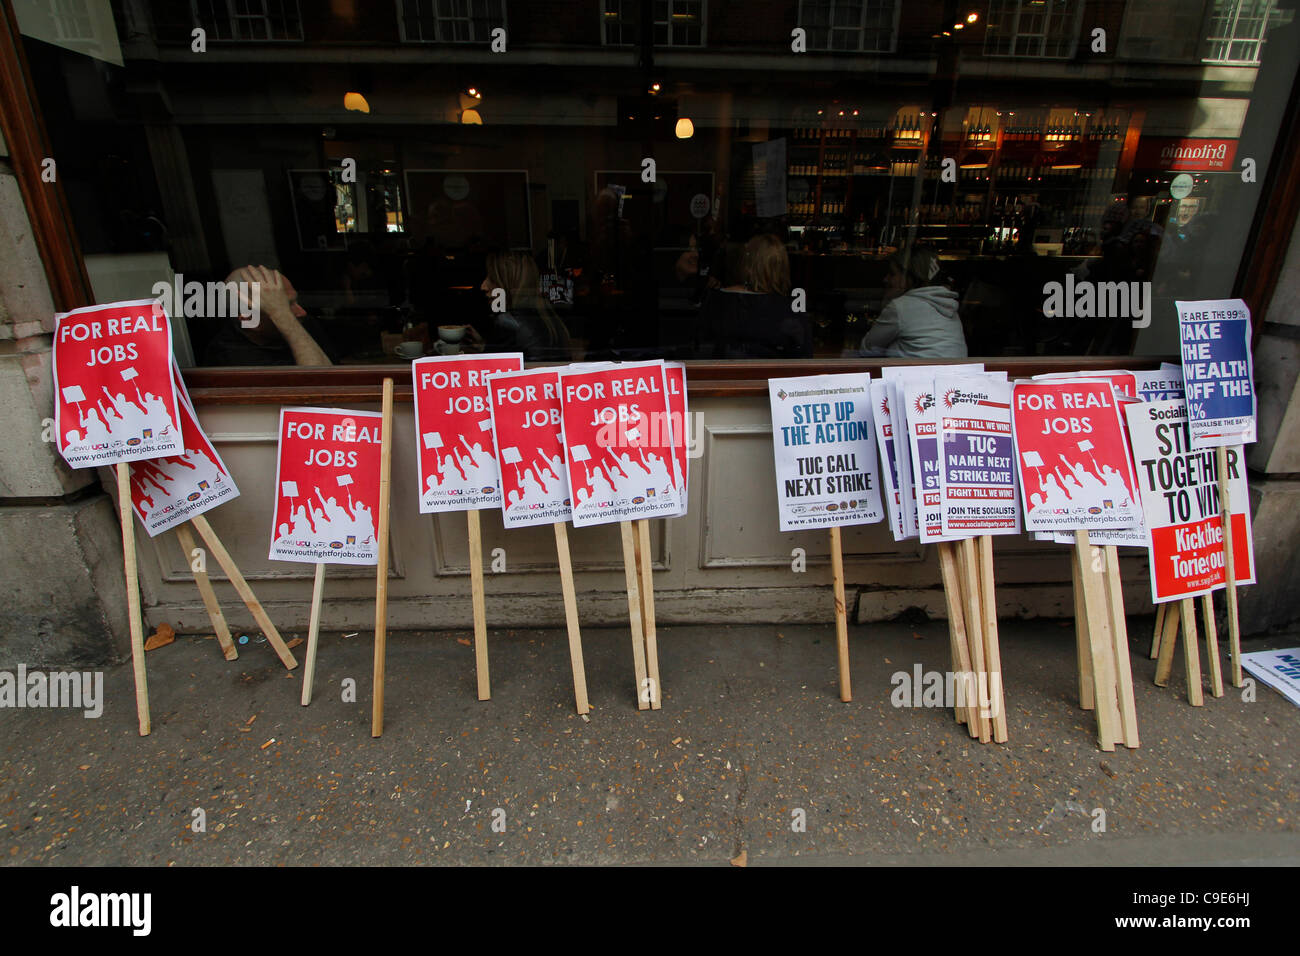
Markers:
point(756, 321)
point(529, 324)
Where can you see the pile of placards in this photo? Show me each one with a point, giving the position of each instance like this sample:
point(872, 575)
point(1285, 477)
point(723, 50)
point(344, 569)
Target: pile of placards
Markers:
point(119, 400)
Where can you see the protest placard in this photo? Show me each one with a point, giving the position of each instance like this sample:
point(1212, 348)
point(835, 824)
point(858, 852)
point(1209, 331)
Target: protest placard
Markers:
point(678, 422)
point(1179, 487)
point(977, 476)
point(1160, 385)
point(114, 397)
point(619, 444)
point(455, 455)
point(327, 486)
point(889, 454)
point(525, 410)
point(827, 471)
point(1072, 459)
point(1218, 377)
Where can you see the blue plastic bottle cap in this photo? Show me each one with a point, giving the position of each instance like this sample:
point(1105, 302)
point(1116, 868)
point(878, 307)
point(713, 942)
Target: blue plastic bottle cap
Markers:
point(243, 638)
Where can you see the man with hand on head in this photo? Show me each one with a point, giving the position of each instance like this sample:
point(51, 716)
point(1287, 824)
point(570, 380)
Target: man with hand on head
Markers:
point(280, 333)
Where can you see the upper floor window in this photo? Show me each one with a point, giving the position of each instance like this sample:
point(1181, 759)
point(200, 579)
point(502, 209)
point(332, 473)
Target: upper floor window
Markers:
point(859, 26)
point(1161, 30)
point(449, 21)
point(1235, 31)
point(249, 19)
point(1039, 28)
point(676, 22)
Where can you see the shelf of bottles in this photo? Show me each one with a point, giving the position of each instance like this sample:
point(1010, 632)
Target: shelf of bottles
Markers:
point(1049, 172)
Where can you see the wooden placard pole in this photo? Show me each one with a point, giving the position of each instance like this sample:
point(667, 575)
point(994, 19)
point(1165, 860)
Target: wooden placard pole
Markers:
point(1119, 642)
point(228, 565)
point(1083, 653)
point(1212, 645)
point(648, 613)
point(1099, 644)
point(571, 616)
point(970, 592)
point(313, 633)
point(1155, 634)
point(634, 614)
point(1225, 510)
point(1191, 655)
point(841, 615)
point(1168, 639)
point(992, 647)
point(219, 625)
point(381, 569)
point(135, 618)
point(480, 613)
point(968, 715)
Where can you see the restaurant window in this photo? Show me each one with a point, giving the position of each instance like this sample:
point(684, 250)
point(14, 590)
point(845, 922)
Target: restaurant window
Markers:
point(72, 20)
point(249, 20)
point(1236, 30)
point(674, 23)
point(866, 26)
point(703, 206)
point(1039, 28)
point(450, 21)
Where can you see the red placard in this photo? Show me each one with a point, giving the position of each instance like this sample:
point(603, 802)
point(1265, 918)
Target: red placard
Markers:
point(453, 430)
point(530, 448)
point(168, 491)
point(618, 444)
point(1187, 559)
point(327, 486)
point(1071, 456)
point(114, 398)
point(675, 383)
point(1176, 153)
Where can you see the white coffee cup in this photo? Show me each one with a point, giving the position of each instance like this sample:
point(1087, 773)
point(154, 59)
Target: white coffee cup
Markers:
point(447, 348)
point(410, 350)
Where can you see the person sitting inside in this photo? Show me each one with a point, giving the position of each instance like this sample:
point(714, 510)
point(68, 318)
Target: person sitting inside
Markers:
point(920, 318)
point(281, 333)
point(756, 320)
point(528, 324)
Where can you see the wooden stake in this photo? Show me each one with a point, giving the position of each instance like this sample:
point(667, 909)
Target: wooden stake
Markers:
point(966, 568)
point(313, 633)
point(1087, 693)
point(841, 615)
point(228, 649)
point(1191, 655)
point(571, 617)
point(634, 615)
point(228, 565)
point(957, 628)
point(1099, 644)
point(1165, 665)
point(480, 614)
point(381, 570)
point(1225, 511)
point(1212, 645)
point(135, 618)
point(1119, 641)
point(992, 650)
point(648, 613)
point(1155, 634)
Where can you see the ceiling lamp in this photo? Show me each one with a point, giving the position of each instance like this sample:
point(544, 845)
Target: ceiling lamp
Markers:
point(355, 102)
point(685, 128)
point(470, 118)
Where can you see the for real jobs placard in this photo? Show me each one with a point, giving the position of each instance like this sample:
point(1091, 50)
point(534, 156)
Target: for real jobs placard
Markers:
point(530, 448)
point(456, 457)
point(114, 398)
point(823, 438)
point(618, 443)
point(1218, 379)
point(327, 486)
point(1180, 498)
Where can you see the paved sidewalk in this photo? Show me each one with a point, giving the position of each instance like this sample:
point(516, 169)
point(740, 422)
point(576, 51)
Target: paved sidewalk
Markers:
point(751, 730)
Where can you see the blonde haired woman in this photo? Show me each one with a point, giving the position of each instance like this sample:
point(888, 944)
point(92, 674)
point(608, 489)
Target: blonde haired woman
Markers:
point(528, 324)
point(757, 321)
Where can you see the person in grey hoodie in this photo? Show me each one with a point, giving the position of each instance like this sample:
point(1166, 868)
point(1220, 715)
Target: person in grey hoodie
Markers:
point(920, 318)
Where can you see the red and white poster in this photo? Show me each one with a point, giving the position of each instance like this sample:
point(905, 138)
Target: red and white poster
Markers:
point(1071, 456)
point(327, 486)
point(456, 456)
point(168, 491)
point(1180, 498)
point(618, 443)
point(675, 383)
point(114, 398)
point(530, 447)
